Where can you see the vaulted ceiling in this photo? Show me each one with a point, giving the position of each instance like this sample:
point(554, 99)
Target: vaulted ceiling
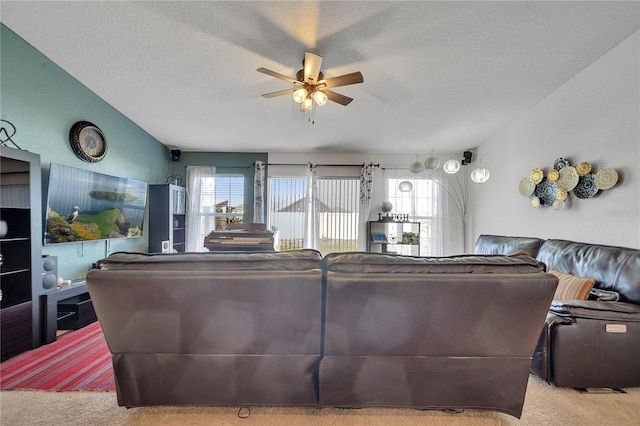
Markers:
point(442, 76)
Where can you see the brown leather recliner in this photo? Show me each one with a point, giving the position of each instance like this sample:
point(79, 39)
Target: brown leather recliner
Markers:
point(451, 332)
point(212, 329)
point(591, 343)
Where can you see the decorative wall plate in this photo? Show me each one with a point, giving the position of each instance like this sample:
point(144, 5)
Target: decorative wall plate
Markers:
point(526, 187)
point(606, 179)
point(568, 178)
point(560, 163)
point(536, 176)
point(561, 194)
point(583, 168)
point(558, 204)
point(535, 202)
point(586, 187)
point(546, 192)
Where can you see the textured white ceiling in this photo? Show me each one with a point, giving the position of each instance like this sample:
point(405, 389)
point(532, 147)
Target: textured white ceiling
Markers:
point(438, 75)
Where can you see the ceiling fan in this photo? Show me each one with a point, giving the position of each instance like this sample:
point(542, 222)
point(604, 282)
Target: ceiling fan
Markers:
point(311, 85)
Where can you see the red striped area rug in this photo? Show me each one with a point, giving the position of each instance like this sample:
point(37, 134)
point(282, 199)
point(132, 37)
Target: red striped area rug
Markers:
point(78, 361)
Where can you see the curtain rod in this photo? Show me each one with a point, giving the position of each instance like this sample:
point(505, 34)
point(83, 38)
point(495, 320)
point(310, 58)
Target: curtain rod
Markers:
point(229, 167)
point(320, 165)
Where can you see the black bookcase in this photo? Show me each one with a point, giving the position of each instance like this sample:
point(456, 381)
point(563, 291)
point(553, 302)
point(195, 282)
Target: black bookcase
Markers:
point(167, 208)
point(388, 236)
point(21, 250)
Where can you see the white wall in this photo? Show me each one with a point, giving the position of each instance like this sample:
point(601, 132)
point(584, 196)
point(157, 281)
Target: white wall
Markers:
point(593, 117)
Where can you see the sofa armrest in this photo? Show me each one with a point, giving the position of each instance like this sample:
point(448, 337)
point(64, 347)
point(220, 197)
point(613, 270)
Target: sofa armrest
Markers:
point(596, 309)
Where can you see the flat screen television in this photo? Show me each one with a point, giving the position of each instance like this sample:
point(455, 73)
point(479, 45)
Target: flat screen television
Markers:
point(83, 205)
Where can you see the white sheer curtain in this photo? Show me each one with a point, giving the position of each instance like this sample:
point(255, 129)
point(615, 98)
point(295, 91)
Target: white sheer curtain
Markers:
point(195, 231)
point(311, 231)
point(366, 190)
point(258, 193)
point(440, 213)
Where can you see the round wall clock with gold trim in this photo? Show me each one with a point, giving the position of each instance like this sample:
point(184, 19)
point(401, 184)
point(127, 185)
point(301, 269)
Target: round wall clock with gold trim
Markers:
point(88, 142)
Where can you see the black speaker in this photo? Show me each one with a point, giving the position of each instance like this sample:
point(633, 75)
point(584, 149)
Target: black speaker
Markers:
point(175, 154)
point(466, 157)
point(49, 272)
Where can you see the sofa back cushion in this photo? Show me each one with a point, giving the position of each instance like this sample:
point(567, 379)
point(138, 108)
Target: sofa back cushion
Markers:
point(296, 260)
point(498, 244)
point(613, 268)
point(359, 262)
point(435, 315)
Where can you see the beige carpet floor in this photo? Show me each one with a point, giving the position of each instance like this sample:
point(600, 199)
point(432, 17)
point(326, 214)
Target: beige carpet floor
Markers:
point(544, 405)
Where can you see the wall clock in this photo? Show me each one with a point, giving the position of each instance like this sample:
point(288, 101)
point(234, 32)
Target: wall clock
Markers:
point(88, 142)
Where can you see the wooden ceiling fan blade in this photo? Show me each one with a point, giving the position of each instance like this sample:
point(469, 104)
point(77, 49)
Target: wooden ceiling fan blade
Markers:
point(312, 65)
point(278, 93)
point(342, 80)
point(280, 76)
point(337, 97)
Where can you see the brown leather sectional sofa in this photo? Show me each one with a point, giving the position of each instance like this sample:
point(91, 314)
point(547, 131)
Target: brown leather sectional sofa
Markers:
point(586, 343)
point(346, 330)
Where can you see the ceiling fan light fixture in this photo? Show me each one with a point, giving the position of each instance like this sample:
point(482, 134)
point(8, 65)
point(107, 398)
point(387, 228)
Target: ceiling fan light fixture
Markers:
point(306, 104)
point(300, 95)
point(320, 97)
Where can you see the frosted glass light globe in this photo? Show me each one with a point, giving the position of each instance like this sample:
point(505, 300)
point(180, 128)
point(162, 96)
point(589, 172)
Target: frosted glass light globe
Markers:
point(480, 175)
point(431, 163)
point(405, 186)
point(299, 95)
point(451, 166)
point(416, 167)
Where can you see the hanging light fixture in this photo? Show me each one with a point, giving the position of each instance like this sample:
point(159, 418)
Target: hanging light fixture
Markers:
point(416, 166)
point(306, 104)
point(451, 166)
point(300, 95)
point(431, 163)
point(405, 186)
point(320, 98)
point(480, 175)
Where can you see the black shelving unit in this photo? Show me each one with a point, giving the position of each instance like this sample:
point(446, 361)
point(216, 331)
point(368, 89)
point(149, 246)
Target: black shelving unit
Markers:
point(388, 236)
point(21, 250)
point(167, 208)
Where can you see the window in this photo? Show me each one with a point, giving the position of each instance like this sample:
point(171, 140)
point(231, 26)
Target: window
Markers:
point(222, 201)
point(338, 210)
point(423, 205)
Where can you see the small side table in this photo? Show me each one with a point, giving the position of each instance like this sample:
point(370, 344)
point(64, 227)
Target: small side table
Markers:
point(50, 305)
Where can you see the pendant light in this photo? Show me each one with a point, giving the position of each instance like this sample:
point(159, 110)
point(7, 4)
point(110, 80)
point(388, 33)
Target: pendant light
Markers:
point(451, 166)
point(480, 175)
point(405, 186)
point(431, 163)
point(416, 167)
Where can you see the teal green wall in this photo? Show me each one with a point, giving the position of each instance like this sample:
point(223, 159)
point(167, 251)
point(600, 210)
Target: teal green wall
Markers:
point(225, 163)
point(43, 101)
